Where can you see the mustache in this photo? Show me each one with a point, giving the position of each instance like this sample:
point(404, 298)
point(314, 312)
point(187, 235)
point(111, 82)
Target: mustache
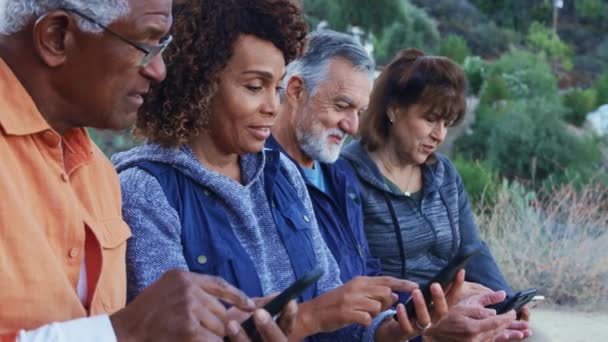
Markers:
point(336, 131)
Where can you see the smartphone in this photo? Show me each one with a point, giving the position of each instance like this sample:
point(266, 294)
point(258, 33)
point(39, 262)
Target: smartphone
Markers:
point(515, 302)
point(443, 278)
point(275, 306)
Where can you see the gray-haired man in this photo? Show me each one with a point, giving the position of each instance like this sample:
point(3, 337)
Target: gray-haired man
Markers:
point(65, 65)
point(324, 92)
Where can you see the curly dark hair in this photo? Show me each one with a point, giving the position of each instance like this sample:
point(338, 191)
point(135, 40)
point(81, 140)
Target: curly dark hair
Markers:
point(204, 34)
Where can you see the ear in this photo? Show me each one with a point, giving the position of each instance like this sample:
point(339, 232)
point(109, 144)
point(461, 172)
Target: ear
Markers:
point(295, 89)
point(52, 36)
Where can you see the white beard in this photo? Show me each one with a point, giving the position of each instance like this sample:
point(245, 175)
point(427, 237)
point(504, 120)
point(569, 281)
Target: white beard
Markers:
point(314, 143)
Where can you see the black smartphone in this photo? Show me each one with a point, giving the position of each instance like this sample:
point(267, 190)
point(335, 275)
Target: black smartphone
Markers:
point(514, 302)
point(275, 306)
point(443, 278)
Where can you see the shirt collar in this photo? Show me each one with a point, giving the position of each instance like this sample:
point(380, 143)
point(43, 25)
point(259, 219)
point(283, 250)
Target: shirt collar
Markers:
point(18, 112)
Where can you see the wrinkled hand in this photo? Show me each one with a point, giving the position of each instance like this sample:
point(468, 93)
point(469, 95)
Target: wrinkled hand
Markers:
point(355, 302)
point(470, 321)
point(404, 327)
point(181, 306)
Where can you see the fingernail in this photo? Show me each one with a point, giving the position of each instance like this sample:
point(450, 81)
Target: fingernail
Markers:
point(262, 316)
point(233, 328)
point(250, 303)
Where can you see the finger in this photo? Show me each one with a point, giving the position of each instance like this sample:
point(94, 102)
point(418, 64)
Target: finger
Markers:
point(497, 323)
point(224, 291)
point(519, 325)
point(406, 326)
point(209, 320)
point(261, 301)
point(422, 314)
point(370, 305)
point(288, 317)
point(510, 335)
point(268, 329)
point(486, 298)
point(384, 295)
point(236, 332)
point(455, 288)
point(395, 284)
point(440, 305)
point(212, 304)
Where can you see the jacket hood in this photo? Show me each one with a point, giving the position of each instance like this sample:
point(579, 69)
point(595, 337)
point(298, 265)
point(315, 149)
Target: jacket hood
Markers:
point(184, 160)
point(433, 174)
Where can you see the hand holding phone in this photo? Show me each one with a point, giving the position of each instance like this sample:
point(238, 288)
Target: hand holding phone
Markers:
point(444, 278)
point(514, 302)
point(275, 306)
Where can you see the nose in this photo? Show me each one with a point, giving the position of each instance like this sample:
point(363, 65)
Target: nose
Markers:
point(439, 132)
point(156, 70)
point(271, 104)
point(350, 124)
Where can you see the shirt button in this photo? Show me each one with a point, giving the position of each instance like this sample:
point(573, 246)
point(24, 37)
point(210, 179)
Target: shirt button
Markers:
point(64, 177)
point(73, 252)
point(306, 218)
point(206, 192)
point(201, 259)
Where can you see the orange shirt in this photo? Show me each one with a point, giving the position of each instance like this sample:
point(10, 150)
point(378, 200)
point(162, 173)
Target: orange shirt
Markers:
point(60, 196)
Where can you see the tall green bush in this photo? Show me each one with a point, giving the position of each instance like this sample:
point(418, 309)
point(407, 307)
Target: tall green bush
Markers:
point(474, 68)
point(578, 103)
point(525, 75)
point(544, 40)
point(414, 29)
point(601, 87)
point(528, 141)
point(455, 48)
point(480, 180)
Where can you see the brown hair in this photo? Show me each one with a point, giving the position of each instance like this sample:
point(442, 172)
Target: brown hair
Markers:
point(204, 34)
point(413, 78)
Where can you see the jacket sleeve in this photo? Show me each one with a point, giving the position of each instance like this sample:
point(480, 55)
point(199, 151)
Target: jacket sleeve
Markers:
point(482, 269)
point(155, 246)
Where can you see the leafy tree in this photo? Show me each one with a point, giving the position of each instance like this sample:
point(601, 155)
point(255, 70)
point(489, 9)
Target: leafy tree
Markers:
point(601, 86)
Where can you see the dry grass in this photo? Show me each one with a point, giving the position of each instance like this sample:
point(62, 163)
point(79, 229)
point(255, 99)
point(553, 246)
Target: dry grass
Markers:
point(556, 242)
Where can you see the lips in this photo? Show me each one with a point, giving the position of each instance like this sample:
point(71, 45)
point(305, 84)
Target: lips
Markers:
point(260, 132)
point(428, 149)
point(137, 98)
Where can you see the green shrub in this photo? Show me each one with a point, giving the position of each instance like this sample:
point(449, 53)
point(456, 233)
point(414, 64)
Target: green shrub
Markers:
point(530, 142)
point(593, 9)
point(480, 181)
point(578, 103)
point(415, 29)
point(494, 89)
point(455, 48)
point(601, 87)
point(525, 75)
point(474, 68)
point(543, 39)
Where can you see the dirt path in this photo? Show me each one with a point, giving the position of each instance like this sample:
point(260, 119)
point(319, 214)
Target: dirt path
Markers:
point(557, 326)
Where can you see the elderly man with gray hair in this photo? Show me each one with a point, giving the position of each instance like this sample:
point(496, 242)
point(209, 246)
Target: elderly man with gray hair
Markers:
point(66, 65)
point(324, 91)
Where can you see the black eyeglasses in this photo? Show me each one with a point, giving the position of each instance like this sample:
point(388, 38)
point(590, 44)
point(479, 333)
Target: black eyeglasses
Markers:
point(150, 51)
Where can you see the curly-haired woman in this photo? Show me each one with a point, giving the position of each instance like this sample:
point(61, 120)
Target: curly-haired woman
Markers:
point(204, 196)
